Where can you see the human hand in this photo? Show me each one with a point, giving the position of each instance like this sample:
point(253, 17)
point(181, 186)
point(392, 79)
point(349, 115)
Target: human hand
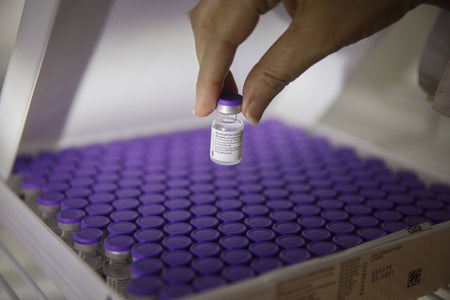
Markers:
point(318, 28)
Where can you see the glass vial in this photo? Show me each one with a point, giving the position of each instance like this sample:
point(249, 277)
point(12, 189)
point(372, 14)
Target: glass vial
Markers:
point(227, 131)
point(69, 222)
point(87, 244)
point(117, 262)
point(48, 206)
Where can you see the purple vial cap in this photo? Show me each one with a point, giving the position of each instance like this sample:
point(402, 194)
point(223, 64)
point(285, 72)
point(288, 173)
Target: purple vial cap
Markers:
point(250, 199)
point(207, 266)
point(178, 228)
point(416, 220)
point(347, 240)
point(202, 199)
point(233, 228)
point(87, 236)
point(152, 199)
point(57, 187)
point(237, 273)
point(388, 215)
point(144, 286)
point(78, 192)
point(260, 235)
point(265, 264)
point(264, 249)
point(400, 199)
point(127, 193)
point(324, 193)
point(410, 210)
point(283, 216)
point(73, 203)
point(177, 193)
point(275, 194)
point(321, 248)
point(279, 204)
point(229, 99)
point(70, 216)
point(176, 258)
point(255, 210)
point(250, 188)
point(174, 291)
point(358, 209)
point(378, 204)
point(145, 250)
point(227, 193)
point(124, 216)
point(286, 228)
point(205, 235)
point(126, 204)
point(173, 216)
point(101, 198)
point(234, 257)
point(294, 255)
point(100, 222)
point(372, 193)
point(204, 222)
point(148, 235)
point(99, 209)
point(178, 275)
point(205, 249)
point(329, 204)
point(33, 182)
point(364, 221)
point(335, 215)
point(229, 204)
point(302, 198)
point(438, 216)
point(312, 221)
point(316, 234)
point(290, 241)
point(150, 222)
point(146, 267)
point(204, 210)
point(370, 233)
point(430, 204)
point(230, 216)
point(50, 199)
point(340, 227)
point(258, 222)
point(81, 182)
point(121, 228)
point(352, 199)
point(208, 282)
point(118, 243)
point(234, 242)
point(393, 226)
point(307, 210)
point(177, 204)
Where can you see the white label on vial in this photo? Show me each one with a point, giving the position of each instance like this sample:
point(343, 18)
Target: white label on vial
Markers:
point(226, 146)
point(118, 284)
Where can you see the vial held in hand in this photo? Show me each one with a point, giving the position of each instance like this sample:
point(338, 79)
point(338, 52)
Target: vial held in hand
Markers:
point(227, 131)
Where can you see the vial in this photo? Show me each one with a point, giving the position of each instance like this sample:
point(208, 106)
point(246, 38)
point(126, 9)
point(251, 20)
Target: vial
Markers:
point(116, 269)
point(69, 222)
point(227, 131)
point(48, 206)
point(87, 244)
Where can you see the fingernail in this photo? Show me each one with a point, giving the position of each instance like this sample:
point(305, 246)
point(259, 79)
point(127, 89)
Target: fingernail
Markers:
point(193, 112)
point(252, 120)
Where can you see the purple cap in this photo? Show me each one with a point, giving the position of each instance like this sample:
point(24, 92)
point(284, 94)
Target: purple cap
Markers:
point(316, 234)
point(234, 242)
point(50, 199)
point(340, 227)
point(99, 222)
point(78, 192)
point(290, 241)
point(81, 182)
point(33, 182)
point(250, 188)
point(307, 210)
point(321, 248)
point(299, 188)
point(199, 188)
point(364, 221)
point(335, 215)
point(283, 216)
point(144, 286)
point(207, 266)
point(225, 183)
point(393, 226)
point(177, 193)
point(146, 267)
point(430, 204)
point(200, 199)
point(205, 249)
point(260, 235)
point(178, 275)
point(234, 257)
point(379, 204)
point(150, 222)
point(438, 216)
point(87, 236)
point(227, 194)
point(258, 222)
point(73, 203)
point(173, 216)
point(358, 209)
point(152, 199)
point(264, 249)
point(370, 233)
point(286, 228)
point(410, 210)
point(176, 242)
point(177, 183)
point(388, 215)
point(294, 255)
point(324, 193)
point(176, 258)
point(145, 250)
point(265, 264)
point(204, 210)
point(229, 204)
point(106, 178)
point(177, 204)
point(329, 204)
point(276, 194)
point(204, 222)
point(57, 187)
point(230, 216)
point(229, 103)
point(118, 243)
point(205, 235)
point(178, 228)
point(121, 228)
point(126, 204)
point(70, 216)
point(346, 241)
point(302, 198)
point(372, 193)
point(127, 193)
point(208, 282)
point(255, 210)
point(99, 209)
point(124, 216)
point(401, 199)
point(279, 204)
point(233, 228)
point(252, 199)
point(352, 199)
point(102, 197)
point(312, 221)
point(148, 235)
point(346, 189)
point(237, 273)
point(423, 194)
point(416, 220)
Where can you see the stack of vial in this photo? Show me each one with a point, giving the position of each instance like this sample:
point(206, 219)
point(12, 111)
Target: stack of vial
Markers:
point(156, 217)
